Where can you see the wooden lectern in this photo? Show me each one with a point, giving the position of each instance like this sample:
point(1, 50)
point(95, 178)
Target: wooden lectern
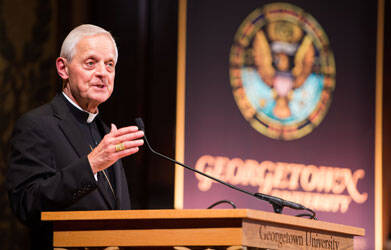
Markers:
point(196, 228)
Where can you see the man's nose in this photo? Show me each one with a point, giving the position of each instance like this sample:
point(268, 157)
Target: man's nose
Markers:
point(100, 69)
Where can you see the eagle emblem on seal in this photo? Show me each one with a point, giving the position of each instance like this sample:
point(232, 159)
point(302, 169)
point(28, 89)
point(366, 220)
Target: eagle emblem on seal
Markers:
point(282, 71)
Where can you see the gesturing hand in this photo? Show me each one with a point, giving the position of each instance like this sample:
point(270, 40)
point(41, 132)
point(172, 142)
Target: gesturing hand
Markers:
point(114, 146)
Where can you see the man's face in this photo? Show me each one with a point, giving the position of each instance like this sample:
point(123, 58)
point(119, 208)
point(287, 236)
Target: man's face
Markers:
point(91, 71)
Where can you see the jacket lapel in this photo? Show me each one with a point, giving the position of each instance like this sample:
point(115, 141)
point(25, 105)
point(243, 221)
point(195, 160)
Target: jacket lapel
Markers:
point(108, 195)
point(68, 124)
point(115, 168)
point(118, 173)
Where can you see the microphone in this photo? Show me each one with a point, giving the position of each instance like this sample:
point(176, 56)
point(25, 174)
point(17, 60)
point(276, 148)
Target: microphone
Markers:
point(277, 203)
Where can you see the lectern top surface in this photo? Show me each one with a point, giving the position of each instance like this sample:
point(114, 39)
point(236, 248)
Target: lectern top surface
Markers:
point(202, 214)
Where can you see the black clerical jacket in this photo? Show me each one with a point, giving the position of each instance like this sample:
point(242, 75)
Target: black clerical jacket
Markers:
point(49, 169)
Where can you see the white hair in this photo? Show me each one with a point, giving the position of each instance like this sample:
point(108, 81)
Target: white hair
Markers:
point(69, 44)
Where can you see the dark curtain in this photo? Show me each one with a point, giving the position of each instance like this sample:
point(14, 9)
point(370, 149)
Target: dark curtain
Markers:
point(146, 36)
point(145, 84)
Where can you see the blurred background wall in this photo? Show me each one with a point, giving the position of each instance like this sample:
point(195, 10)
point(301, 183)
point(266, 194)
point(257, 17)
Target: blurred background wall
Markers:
point(28, 44)
point(31, 33)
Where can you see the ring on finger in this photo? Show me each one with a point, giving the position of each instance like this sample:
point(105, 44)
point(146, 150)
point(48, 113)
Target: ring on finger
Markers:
point(119, 147)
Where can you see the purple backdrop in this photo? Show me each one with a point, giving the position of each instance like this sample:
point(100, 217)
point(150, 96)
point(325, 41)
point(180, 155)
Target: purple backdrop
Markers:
point(215, 126)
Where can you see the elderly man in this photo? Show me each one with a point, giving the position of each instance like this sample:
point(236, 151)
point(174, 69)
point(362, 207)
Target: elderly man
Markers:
point(63, 157)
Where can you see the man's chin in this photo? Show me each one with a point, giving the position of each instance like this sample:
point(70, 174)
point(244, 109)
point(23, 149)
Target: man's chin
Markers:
point(99, 99)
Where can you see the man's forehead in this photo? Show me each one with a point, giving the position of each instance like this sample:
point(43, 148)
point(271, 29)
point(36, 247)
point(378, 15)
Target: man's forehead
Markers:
point(100, 43)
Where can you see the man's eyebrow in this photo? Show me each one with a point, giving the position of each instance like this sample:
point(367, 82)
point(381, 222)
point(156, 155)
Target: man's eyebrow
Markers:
point(90, 57)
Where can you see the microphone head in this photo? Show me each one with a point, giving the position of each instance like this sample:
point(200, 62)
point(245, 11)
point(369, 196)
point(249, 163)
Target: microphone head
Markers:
point(140, 123)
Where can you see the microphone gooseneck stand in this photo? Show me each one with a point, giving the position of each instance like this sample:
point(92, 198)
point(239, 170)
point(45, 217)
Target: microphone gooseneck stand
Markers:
point(277, 203)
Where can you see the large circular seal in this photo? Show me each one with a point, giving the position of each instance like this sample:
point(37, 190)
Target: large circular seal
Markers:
point(282, 71)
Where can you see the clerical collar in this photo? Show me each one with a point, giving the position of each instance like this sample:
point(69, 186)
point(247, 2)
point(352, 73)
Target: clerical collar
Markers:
point(90, 117)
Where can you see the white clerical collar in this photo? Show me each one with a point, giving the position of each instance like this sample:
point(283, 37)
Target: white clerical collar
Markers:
point(91, 116)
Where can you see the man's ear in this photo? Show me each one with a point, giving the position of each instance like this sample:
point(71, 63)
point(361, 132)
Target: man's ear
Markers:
point(62, 69)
